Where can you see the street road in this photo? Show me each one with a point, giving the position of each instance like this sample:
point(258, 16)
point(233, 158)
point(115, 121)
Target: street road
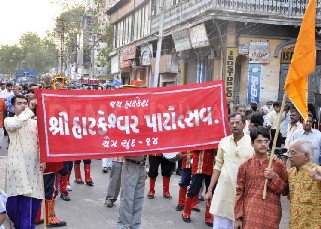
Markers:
point(86, 209)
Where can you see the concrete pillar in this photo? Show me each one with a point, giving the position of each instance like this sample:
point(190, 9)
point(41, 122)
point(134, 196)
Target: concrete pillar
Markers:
point(182, 65)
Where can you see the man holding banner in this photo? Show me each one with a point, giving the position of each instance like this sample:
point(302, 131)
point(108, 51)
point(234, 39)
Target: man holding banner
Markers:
point(24, 182)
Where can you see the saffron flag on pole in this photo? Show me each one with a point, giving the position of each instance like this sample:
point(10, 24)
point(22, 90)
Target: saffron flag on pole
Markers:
point(303, 62)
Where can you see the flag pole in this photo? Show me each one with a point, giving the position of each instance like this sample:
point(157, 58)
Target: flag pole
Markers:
point(278, 124)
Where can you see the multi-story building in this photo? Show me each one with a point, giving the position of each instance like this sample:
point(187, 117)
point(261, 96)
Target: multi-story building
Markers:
point(90, 40)
point(249, 44)
point(131, 20)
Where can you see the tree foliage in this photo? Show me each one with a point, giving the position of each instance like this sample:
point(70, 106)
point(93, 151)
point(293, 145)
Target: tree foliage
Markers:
point(103, 55)
point(42, 55)
point(32, 52)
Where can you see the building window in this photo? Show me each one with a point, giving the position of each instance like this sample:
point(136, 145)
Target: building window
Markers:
point(153, 7)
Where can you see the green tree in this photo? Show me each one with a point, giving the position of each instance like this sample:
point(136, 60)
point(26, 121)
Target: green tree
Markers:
point(32, 52)
point(103, 55)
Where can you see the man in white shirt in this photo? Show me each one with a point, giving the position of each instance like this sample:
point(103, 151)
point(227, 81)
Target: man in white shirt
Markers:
point(285, 123)
point(273, 117)
point(232, 151)
point(24, 183)
point(311, 135)
point(7, 92)
point(294, 125)
point(2, 87)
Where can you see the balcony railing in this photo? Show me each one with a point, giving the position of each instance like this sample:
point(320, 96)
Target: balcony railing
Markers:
point(288, 11)
point(286, 8)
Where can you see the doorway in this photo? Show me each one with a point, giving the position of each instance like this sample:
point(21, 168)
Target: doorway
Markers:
point(313, 86)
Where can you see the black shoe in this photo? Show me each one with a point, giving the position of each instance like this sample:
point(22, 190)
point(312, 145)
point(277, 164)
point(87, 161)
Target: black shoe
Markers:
point(151, 196)
point(39, 222)
point(109, 203)
point(186, 220)
point(90, 183)
point(209, 224)
point(59, 224)
point(105, 170)
point(64, 197)
point(167, 196)
point(179, 208)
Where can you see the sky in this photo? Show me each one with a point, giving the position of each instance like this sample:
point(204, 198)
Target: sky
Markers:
point(18, 17)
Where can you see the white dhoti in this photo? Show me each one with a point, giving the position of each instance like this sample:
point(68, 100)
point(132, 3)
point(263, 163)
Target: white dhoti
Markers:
point(222, 223)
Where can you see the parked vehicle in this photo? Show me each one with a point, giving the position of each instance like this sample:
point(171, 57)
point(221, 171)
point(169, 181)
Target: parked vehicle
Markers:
point(25, 77)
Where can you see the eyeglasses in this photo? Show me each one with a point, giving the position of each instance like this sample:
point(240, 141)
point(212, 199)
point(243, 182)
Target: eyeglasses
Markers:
point(262, 141)
point(22, 103)
point(292, 153)
point(235, 123)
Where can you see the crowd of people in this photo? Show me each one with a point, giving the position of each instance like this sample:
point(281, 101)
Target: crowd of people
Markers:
point(233, 174)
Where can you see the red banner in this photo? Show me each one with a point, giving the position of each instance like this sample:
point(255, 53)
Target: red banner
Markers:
point(83, 124)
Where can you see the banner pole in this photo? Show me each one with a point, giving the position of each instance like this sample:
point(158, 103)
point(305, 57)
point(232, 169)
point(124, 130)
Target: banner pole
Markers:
point(43, 205)
point(275, 139)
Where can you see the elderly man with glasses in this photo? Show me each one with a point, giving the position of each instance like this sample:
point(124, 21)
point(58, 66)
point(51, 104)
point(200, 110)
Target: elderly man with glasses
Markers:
point(304, 186)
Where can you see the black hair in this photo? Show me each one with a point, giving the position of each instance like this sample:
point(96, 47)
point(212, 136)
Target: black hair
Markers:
point(248, 113)
point(310, 115)
point(287, 106)
point(254, 106)
point(32, 91)
point(255, 132)
point(233, 114)
point(296, 111)
point(9, 85)
point(13, 99)
point(256, 119)
point(33, 84)
point(276, 104)
point(238, 106)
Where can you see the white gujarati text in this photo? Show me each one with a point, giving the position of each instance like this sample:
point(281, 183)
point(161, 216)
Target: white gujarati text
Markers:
point(84, 126)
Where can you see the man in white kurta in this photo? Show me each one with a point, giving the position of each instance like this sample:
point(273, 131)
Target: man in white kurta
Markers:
point(24, 183)
point(232, 151)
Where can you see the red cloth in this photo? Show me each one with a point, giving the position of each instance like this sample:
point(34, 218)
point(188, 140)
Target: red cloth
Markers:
point(186, 159)
point(203, 161)
point(255, 212)
point(52, 167)
point(99, 122)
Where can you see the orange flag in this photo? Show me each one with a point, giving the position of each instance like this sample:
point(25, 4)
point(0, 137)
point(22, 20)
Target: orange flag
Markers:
point(303, 62)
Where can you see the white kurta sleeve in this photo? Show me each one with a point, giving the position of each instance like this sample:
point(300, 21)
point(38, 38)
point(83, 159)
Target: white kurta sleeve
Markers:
point(14, 123)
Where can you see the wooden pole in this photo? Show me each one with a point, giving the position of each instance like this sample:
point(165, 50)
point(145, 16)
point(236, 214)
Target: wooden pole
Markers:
point(43, 205)
point(275, 139)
